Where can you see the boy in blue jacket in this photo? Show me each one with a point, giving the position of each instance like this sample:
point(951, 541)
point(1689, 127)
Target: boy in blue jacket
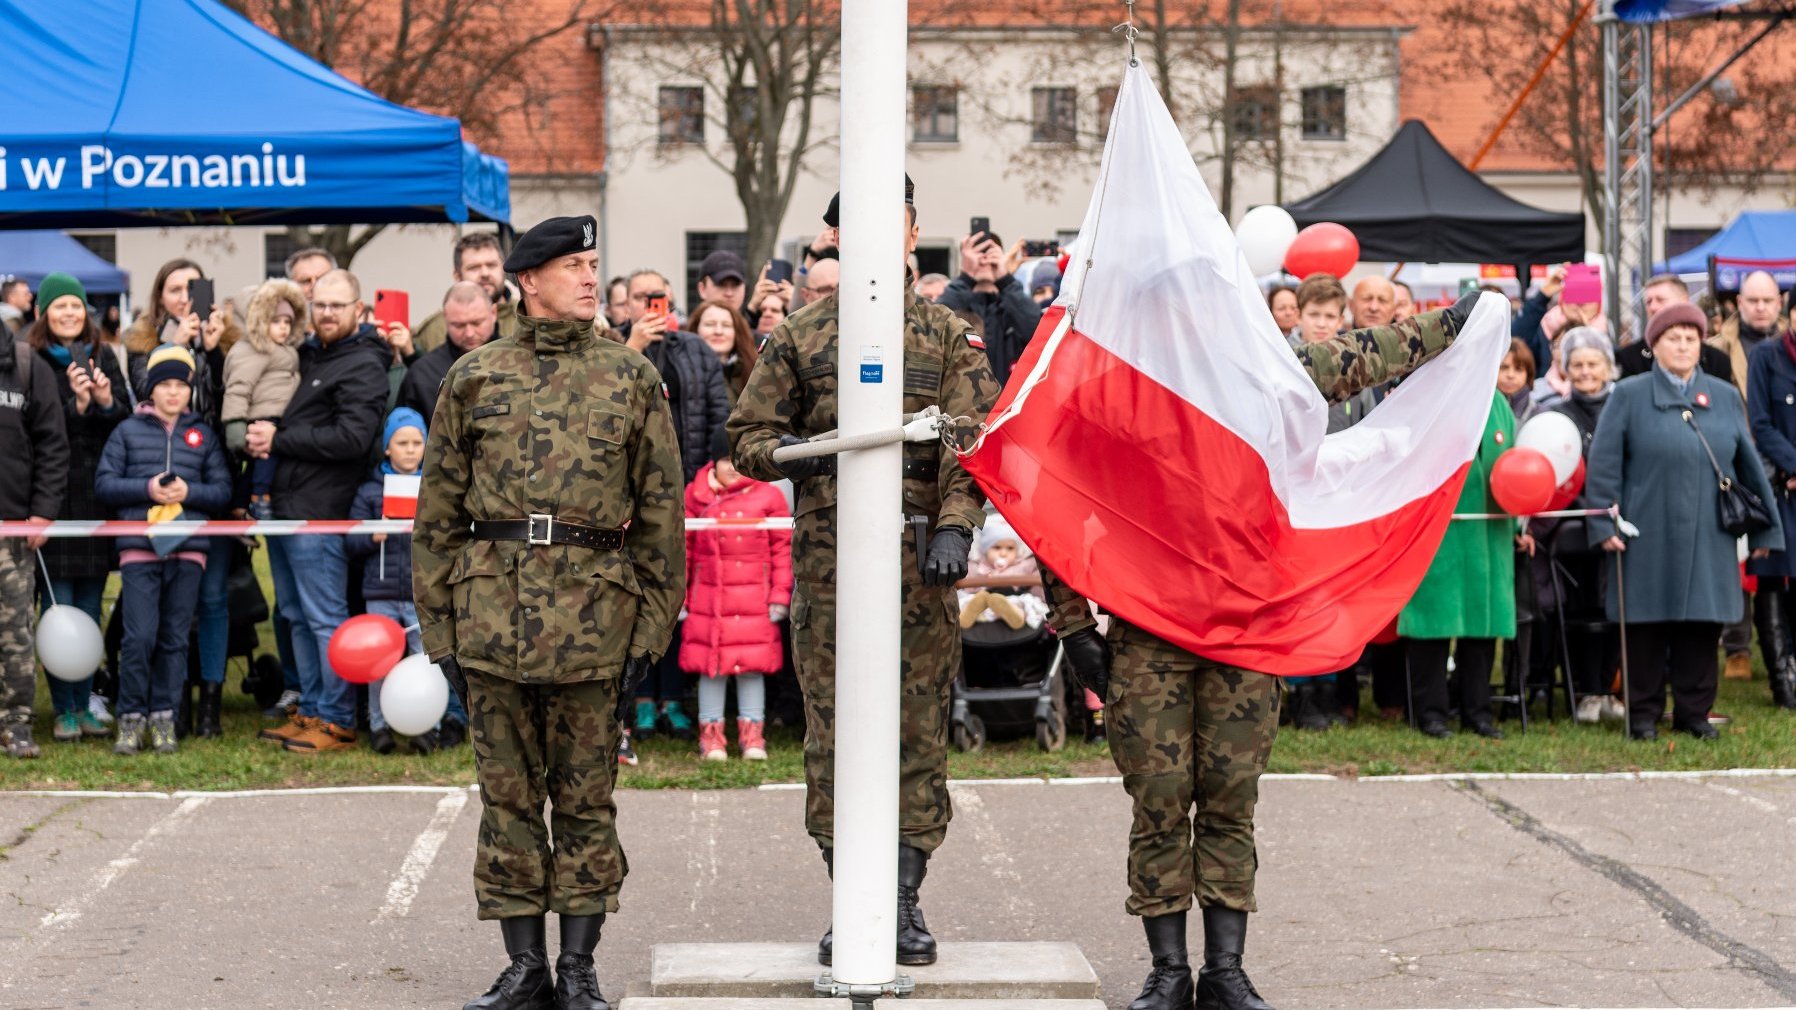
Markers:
point(387, 577)
point(162, 463)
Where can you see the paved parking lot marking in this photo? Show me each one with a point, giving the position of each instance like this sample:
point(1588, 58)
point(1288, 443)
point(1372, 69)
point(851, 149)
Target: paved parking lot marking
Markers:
point(423, 852)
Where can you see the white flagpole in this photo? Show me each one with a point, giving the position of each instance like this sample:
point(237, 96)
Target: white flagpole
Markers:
point(870, 376)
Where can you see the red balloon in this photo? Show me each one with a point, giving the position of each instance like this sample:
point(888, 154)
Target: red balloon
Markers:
point(1326, 248)
point(1566, 493)
point(1522, 481)
point(366, 647)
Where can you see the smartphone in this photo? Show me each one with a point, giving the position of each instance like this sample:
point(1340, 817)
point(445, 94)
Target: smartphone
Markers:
point(1583, 285)
point(779, 271)
point(980, 226)
point(1045, 247)
point(657, 305)
point(166, 479)
point(392, 307)
point(200, 297)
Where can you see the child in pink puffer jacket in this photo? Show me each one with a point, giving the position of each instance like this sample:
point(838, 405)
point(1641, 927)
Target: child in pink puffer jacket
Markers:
point(738, 588)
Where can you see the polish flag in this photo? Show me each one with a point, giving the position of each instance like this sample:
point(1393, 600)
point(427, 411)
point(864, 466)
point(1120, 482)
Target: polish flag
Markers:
point(1162, 450)
point(399, 495)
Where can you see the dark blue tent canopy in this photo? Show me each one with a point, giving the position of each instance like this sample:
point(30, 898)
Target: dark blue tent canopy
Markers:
point(1653, 11)
point(157, 112)
point(1754, 235)
point(32, 255)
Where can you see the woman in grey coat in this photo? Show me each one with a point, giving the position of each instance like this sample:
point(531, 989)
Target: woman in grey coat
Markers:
point(1681, 575)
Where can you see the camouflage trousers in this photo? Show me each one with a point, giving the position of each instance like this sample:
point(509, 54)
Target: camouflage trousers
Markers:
point(929, 656)
point(1190, 737)
point(18, 663)
point(535, 743)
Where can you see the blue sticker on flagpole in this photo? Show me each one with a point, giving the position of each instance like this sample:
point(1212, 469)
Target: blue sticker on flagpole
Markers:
point(873, 373)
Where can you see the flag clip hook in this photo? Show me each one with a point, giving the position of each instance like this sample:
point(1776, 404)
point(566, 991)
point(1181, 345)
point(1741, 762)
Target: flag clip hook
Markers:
point(1128, 31)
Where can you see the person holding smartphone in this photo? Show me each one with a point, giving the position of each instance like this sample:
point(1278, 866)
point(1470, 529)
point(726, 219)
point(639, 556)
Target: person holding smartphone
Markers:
point(987, 287)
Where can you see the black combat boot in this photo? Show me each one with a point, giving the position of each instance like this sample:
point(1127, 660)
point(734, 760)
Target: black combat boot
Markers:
point(525, 983)
point(1221, 984)
point(1770, 615)
point(915, 945)
point(211, 699)
point(1168, 985)
point(826, 947)
point(576, 981)
point(1306, 705)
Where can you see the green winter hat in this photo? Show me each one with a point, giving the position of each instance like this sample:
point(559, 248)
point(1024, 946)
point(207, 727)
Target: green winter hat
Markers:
point(56, 285)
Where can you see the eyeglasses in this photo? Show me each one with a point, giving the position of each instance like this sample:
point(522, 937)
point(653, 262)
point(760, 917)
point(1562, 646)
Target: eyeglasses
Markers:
point(331, 308)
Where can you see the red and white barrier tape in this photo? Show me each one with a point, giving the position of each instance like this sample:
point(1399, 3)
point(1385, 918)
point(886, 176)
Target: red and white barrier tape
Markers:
point(285, 527)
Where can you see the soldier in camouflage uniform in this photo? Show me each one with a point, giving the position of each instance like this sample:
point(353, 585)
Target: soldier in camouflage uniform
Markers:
point(549, 566)
point(1190, 733)
point(792, 394)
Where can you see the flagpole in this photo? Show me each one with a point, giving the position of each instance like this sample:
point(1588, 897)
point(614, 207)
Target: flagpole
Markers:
point(870, 373)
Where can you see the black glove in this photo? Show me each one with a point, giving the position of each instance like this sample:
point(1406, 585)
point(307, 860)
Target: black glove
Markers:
point(945, 563)
point(803, 467)
point(1089, 656)
point(636, 670)
point(458, 681)
point(1456, 315)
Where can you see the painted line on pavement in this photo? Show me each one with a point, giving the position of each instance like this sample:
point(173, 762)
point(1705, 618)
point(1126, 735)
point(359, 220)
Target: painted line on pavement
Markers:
point(423, 852)
point(113, 870)
point(1757, 802)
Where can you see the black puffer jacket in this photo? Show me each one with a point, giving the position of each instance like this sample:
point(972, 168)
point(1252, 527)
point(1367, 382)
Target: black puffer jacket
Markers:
point(330, 427)
point(34, 463)
point(701, 404)
point(142, 447)
point(85, 557)
point(1009, 314)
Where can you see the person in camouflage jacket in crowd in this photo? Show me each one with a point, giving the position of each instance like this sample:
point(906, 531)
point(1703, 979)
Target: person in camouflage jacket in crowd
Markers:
point(1191, 735)
point(791, 394)
point(549, 566)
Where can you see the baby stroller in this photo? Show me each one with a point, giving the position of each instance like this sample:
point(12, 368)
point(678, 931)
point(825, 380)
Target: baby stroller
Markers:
point(1010, 682)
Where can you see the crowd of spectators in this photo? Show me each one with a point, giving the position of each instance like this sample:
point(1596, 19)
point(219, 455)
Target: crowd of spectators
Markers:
point(290, 401)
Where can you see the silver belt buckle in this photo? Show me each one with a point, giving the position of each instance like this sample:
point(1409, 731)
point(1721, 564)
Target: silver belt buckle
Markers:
point(548, 528)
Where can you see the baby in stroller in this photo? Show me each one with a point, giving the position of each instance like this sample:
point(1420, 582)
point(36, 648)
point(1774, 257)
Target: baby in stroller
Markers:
point(999, 554)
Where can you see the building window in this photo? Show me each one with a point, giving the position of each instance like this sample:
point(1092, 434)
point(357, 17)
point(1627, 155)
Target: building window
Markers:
point(700, 244)
point(1679, 241)
point(276, 247)
point(1255, 113)
point(682, 115)
point(1325, 113)
point(1056, 116)
point(935, 114)
point(1106, 106)
point(101, 244)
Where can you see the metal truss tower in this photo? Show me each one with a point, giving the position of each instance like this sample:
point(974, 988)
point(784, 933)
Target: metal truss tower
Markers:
point(1628, 166)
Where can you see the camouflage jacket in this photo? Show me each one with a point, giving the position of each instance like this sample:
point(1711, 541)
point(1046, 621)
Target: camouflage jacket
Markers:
point(1352, 362)
point(792, 391)
point(552, 421)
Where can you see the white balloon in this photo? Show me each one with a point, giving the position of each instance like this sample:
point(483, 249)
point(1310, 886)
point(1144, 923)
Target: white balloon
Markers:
point(1557, 438)
point(1266, 233)
point(414, 695)
point(69, 643)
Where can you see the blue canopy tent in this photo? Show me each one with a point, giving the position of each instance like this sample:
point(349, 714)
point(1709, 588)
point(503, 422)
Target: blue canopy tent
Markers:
point(32, 255)
point(1655, 11)
point(181, 112)
point(1756, 240)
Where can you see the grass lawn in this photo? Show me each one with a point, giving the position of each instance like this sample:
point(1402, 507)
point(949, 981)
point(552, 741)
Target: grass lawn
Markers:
point(1760, 737)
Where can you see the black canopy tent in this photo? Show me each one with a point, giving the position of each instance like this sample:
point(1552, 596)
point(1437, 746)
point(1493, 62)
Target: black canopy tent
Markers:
point(1414, 202)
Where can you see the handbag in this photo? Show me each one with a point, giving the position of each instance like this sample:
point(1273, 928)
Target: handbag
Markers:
point(1742, 512)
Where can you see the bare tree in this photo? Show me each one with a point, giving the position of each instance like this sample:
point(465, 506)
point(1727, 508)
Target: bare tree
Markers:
point(763, 66)
point(1724, 137)
point(470, 59)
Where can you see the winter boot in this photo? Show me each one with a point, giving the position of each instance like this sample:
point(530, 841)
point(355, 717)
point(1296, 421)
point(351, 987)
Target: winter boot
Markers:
point(644, 727)
point(576, 982)
point(1221, 984)
point(679, 724)
point(751, 739)
point(1306, 708)
point(162, 732)
point(183, 715)
point(131, 729)
point(1328, 704)
point(915, 945)
point(525, 983)
point(712, 746)
point(826, 946)
point(1772, 618)
point(1168, 985)
point(211, 701)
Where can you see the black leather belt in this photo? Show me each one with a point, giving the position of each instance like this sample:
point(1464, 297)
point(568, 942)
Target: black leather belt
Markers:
point(546, 529)
point(918, 470)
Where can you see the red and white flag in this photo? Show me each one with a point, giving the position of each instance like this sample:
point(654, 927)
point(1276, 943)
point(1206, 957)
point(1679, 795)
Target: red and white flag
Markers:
point(1161, 449)
point(399, 495)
